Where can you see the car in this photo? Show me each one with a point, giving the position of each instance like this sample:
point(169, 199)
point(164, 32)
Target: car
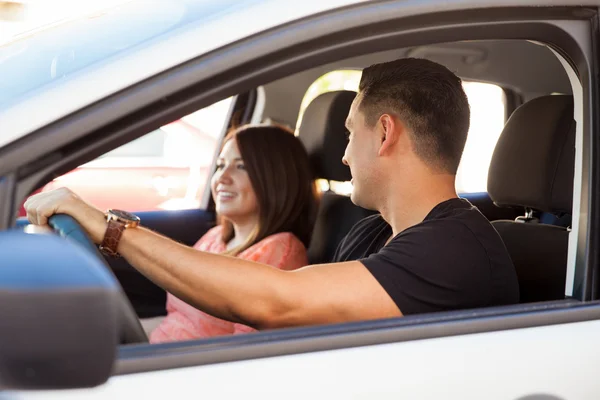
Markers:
point(74, 323)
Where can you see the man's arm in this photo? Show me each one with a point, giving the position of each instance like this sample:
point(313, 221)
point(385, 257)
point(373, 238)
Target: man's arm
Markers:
point(234, 289)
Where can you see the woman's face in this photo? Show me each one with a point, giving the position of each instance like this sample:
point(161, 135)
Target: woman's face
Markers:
point(231, 188)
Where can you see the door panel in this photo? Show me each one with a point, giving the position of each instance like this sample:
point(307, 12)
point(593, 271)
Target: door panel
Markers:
point(514, 364)
point(184, 226)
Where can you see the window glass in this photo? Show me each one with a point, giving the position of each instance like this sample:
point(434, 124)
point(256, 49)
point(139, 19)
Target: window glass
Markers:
point(167, 169)
point(487, 120)
point(150, 145)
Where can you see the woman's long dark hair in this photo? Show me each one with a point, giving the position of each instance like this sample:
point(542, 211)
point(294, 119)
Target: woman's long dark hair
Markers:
point(279, 172)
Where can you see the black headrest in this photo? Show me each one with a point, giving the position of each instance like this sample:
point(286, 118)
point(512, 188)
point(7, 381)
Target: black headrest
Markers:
point(323, 133)
point(533, 162)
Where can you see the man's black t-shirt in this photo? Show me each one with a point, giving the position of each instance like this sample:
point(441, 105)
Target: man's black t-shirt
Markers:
point(454, 259)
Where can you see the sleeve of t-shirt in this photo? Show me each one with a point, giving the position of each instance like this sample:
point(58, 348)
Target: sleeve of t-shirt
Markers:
point(435, 266)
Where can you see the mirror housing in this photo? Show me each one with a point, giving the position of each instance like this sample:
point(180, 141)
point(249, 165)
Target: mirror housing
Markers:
point(59, 325)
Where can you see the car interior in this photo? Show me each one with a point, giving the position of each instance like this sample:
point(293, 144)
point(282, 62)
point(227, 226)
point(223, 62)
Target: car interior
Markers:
point(530, 173)
point(530, 179)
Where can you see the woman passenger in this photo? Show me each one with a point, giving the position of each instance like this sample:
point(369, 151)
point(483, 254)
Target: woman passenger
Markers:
point(266, 204)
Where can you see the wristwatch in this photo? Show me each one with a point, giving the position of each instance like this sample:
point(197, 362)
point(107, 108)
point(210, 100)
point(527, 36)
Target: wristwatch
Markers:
point(118, 221)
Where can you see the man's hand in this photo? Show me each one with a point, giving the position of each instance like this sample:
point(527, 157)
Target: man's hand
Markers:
point(42, 206)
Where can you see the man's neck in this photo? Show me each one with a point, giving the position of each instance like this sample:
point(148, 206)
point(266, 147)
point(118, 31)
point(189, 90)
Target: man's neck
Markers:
point(409, 205)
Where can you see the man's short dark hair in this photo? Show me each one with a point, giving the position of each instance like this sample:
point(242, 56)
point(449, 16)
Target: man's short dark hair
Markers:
point(428, 98)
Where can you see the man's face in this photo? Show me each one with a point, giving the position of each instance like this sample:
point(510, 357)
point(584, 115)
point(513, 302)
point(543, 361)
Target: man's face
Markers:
point(361, 156)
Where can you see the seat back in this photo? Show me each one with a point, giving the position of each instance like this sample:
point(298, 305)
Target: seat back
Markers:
point(323, 133)
point(532, 167)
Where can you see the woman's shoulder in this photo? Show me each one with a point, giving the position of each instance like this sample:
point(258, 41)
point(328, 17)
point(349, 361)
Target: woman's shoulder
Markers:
point(283, 237)
point(212, 237)
point(283, 250)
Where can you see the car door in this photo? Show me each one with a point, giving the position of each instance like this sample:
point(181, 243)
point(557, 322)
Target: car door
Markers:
point(529, 351)
point(459, 363)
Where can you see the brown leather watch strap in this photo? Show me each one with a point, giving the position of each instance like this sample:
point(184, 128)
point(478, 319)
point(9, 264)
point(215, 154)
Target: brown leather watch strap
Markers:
point(114, 231)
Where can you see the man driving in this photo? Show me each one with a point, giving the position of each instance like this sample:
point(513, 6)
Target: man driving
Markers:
point(426, 250)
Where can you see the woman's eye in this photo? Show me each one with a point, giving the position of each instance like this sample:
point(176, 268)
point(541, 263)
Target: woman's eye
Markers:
point(220, 166)
point(241, 166)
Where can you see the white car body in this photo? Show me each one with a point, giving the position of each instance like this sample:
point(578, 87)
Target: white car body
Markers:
point(512, 364)
point(511, 361)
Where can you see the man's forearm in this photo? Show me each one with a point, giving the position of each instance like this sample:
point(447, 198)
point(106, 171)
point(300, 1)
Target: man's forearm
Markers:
point(227, 287)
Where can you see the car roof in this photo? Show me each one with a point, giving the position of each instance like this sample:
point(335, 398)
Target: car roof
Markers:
point(54, 72)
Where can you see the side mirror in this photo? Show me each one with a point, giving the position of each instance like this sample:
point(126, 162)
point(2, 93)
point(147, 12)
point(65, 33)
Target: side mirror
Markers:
point(59, 325)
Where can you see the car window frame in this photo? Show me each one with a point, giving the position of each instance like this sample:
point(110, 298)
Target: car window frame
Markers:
point(419, 326)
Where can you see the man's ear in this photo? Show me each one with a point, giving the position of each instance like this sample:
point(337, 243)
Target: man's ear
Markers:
point(389, 131)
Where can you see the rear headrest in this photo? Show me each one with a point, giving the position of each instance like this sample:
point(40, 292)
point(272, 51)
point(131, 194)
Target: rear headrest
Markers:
point(533, 162)
point(323, 133)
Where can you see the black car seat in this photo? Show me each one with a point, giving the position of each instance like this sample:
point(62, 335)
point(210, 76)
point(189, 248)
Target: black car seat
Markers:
point(532, 166)
point(323, 133)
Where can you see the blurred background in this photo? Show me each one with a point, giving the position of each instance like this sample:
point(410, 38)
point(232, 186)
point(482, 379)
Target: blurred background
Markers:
point(20, 16)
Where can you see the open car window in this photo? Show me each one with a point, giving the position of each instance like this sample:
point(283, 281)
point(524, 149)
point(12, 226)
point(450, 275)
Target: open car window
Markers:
point(166, 169)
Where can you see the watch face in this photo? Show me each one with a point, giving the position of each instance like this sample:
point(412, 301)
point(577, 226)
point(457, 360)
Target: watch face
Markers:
point(124, 215)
